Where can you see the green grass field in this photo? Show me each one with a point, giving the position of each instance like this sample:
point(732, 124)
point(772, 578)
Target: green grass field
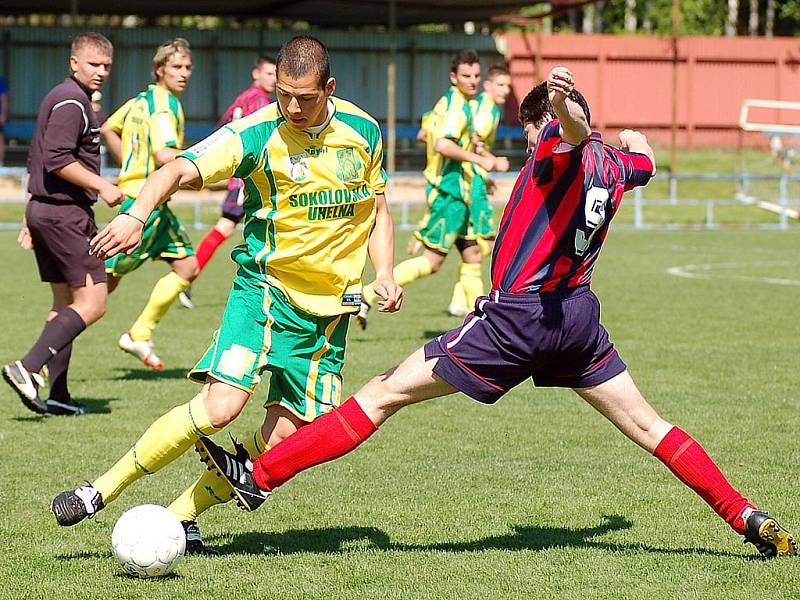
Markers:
point(536, 497)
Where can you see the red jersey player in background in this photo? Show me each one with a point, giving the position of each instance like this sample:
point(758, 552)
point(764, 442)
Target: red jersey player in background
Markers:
point(540, 321)
point(249, 101)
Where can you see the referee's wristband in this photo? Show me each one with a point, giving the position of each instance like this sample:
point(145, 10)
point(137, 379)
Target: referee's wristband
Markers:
point(133, 217)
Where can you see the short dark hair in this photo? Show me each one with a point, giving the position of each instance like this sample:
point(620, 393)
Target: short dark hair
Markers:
point(302, 55)
point(263, 60)
point(91, 39)
point(464, 57)
point(496, 70)
point(536, 105)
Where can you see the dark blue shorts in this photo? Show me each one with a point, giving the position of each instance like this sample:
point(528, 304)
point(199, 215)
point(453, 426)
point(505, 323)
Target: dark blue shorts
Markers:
point(232, 206)
point(556, 339)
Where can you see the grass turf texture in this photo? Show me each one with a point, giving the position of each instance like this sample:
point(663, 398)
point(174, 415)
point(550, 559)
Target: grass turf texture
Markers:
point(535, 497)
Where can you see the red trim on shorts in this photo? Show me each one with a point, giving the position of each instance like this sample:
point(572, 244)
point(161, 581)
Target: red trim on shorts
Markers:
point(591, 368)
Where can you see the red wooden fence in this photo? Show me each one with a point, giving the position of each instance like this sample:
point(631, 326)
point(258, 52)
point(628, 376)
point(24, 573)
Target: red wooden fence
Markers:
point(628, 81)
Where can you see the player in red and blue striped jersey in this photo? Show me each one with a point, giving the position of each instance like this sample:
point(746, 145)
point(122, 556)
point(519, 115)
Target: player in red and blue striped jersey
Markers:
point(569, 193)
point(541, 321)
point(255, 97)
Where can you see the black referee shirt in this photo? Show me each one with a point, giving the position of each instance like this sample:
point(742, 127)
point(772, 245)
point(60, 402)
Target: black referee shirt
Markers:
point(67, 130)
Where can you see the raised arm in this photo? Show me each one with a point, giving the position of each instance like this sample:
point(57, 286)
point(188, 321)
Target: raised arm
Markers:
point(574, 125)
point(635, 141)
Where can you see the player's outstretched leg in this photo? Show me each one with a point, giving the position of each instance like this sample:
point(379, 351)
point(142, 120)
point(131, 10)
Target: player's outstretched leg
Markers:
point(331, 435)
point(164, 441)
point(619, 400)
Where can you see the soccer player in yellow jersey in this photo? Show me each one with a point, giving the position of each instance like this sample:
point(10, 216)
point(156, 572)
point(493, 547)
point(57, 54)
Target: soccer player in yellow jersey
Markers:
point(144, 134)
point(487, 110)
point(314, 207)
point(449, 130)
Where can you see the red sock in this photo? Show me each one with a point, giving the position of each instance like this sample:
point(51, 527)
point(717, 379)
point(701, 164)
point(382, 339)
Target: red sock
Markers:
point(330, 436)
point(208, 245)
point(689, 462)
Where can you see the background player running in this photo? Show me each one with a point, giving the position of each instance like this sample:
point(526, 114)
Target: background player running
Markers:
point(315, 206)
point(255, 97)
point(487, 110)
point(540, 321)
point(449, 179)
point(144, 134)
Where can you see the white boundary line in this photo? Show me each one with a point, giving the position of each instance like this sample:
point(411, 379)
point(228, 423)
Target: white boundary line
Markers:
point(702, 271)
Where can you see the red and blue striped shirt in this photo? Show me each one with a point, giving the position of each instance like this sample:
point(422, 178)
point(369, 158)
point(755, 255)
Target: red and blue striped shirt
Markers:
point(248, 102)
point(558, 215)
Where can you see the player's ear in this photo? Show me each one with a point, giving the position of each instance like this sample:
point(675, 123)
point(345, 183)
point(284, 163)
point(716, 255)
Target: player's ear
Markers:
point(330, 86)
point(453, 79)
point(73, 64)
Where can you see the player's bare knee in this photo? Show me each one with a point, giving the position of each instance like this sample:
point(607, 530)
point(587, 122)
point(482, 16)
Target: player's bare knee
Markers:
point(186, 268)
point(223, 408)
point(91, 309)
point(191, 269)
point(226, 227)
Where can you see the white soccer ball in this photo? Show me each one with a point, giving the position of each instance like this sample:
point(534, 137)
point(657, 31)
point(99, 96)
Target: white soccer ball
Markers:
point(148, 541)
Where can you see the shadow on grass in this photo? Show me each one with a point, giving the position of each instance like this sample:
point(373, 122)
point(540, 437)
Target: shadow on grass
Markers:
point(94, 406)
point(145, 374)
point(97, 405)
point(524, 538)
point(330, 540)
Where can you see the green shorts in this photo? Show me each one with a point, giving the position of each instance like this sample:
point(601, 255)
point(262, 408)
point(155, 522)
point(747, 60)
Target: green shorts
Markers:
point(261, 331)
point(446, 220)
point(163, 238)
point(481, 215)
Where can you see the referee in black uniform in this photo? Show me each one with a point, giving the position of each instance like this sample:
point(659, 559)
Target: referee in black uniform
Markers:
point(64, 182)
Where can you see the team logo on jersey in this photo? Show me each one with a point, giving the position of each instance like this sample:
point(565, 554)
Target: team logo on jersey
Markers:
point(299, 167)
point(349, 165)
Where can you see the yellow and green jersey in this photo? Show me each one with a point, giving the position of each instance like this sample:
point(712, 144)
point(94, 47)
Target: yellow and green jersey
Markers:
point(485, 121)
point(451, 118)
point(309, 200)
point(148, 122)
point(429, 124)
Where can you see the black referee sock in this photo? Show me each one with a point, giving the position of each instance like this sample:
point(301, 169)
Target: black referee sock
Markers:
point(57, 334)
point(58, 367)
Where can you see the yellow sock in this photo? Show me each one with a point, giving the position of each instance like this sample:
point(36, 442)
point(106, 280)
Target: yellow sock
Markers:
point(161, 298)
point(470, 277)
point(484, 246)
point(412, 269)
point(210, 490)
point(164, 441)
point(406, 272)
point(458, 302)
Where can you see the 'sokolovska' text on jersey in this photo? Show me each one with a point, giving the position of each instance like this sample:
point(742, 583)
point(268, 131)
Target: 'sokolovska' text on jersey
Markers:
point(309, 200)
